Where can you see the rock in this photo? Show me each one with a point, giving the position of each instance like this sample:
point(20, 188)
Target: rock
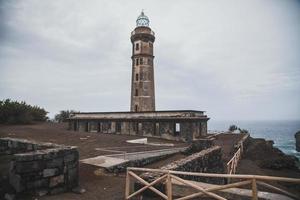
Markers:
point(9, 196)
point(41, 193)
point(267, 156)
point(297, 137)
point(50, 172)
point(78, 190)
point(54, 181)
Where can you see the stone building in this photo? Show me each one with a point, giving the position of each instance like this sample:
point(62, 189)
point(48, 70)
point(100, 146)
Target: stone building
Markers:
point(142, 80)
point(143, 120)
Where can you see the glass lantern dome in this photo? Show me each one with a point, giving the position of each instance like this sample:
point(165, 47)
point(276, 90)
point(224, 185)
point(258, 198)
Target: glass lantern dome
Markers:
point(142, 20)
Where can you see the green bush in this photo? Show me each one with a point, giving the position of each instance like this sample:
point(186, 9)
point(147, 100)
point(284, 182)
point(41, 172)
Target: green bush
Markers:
point(232, 128)
point(14, 112)
point(63, 115)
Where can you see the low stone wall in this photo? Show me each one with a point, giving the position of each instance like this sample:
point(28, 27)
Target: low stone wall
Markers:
point(199, 145)
point(137, 163)
point(206, 161)
point(40, 167)
point(10, 146)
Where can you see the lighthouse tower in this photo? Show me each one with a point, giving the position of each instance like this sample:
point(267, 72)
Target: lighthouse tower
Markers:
point(142, 82)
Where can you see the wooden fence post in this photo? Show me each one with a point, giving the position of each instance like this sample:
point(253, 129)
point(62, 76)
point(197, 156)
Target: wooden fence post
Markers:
point(127, 185)
point(169, 187)
point(254, 189)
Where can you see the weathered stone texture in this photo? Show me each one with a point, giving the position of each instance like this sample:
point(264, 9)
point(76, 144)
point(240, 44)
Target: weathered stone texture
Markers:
point(50, 167)
point(199, 145)
point(206, 161)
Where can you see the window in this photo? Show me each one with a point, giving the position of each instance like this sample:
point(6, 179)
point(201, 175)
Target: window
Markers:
point(136, 77)
point(156, 128)
point(136, 92)
point(177, 129)
point(137, 47)
point(141, 61)
point(150, 44)
point(118, 127)
point(137, 61)
point(136, 108)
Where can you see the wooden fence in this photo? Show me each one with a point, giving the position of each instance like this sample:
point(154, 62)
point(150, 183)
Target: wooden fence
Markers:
point(167, 177)
point(233, 162)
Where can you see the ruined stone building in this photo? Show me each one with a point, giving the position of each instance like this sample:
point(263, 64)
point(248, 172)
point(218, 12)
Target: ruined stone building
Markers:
point(143, 120)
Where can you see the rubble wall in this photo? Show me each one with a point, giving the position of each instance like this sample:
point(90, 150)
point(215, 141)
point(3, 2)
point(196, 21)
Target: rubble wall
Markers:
point(41, 167)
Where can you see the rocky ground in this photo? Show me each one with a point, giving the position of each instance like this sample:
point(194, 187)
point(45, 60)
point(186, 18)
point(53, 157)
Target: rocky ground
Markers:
point(260, 157)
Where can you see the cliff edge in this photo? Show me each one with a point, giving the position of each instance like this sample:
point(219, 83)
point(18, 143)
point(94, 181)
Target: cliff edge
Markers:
point(297, 136)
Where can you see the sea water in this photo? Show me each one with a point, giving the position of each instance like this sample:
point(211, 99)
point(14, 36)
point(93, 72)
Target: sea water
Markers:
point(281, 132)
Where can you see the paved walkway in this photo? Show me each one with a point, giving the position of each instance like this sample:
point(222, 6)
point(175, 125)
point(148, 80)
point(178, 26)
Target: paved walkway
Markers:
point(116, 159)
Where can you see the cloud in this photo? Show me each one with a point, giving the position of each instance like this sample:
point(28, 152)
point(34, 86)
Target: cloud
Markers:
point(234, 59)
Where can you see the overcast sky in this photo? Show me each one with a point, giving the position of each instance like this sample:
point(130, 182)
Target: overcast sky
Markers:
point(235, 59)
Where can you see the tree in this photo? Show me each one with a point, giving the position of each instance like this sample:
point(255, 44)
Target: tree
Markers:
point(64, 115)
point(233, 128)
point(14, 112)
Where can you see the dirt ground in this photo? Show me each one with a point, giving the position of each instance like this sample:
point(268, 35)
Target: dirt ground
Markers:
point(98, 184)
point(102, 186)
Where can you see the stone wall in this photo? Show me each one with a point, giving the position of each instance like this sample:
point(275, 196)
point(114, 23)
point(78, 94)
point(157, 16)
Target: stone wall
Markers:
point(188, 130)
point(205, 161)
point(40, 167)
point(199, 145)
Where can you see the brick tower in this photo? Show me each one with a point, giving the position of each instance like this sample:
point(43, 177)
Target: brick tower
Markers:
point(142, 82)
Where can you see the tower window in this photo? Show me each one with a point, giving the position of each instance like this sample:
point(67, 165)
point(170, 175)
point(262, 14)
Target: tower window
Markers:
point(137, 61)
point(136, 108)
point(137, 46)
point(141, 61)
point(136, 92)
point(136, 77)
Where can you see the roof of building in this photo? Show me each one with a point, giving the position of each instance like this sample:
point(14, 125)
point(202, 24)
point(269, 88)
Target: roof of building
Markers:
point(165, 114)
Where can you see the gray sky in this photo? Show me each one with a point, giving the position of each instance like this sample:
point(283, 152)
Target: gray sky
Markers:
point(235, 59)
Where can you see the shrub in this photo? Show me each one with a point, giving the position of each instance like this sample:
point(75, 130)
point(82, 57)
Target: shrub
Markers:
point(63, 115)
point(14, 112)
point(232, 128)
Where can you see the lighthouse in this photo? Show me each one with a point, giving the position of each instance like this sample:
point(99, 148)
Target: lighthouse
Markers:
point(142, 81)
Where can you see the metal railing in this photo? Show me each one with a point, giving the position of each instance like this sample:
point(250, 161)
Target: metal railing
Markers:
point(167, 178)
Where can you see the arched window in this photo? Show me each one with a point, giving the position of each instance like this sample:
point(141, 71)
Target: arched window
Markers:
point(137, 47)
point(136, 108)
point(136, 92)
point(136, 77)
point(136, 61)
point(141, 61)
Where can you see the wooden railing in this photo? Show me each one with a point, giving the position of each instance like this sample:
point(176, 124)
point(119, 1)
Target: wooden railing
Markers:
point(233, 162)
point(168, 177)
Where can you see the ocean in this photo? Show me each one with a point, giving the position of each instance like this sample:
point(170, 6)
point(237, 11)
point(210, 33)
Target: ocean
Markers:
point(281, 132)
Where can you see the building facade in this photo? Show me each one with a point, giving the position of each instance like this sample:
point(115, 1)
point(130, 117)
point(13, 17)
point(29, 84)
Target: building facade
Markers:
point(181, 125)
point(143, 120)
